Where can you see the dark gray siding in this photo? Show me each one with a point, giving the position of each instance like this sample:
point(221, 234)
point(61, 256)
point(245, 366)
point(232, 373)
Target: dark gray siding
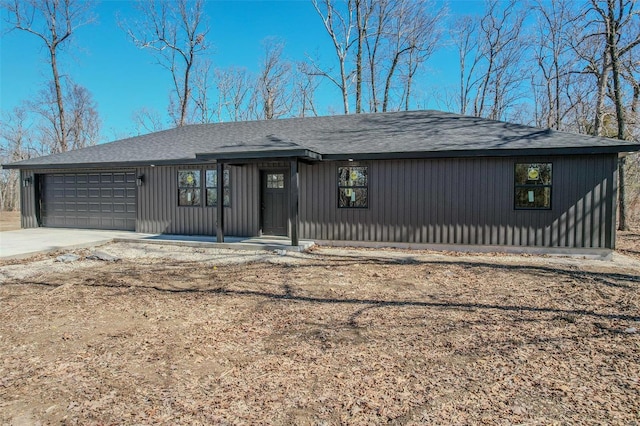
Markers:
point(464, 201)
point(28, 201)
point(159, 211)
point(448, 201)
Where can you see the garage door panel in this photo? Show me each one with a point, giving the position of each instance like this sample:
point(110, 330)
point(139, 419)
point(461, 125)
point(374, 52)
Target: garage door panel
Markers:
point(119, 208)
point(89, 200)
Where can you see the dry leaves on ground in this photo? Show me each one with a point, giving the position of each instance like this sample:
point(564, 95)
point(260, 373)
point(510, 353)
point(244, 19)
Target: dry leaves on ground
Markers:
point(176, 335)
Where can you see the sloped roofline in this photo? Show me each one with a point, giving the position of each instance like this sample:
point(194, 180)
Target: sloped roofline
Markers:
point(391, 135)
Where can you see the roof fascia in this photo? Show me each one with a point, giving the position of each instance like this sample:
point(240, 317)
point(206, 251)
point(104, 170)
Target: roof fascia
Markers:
point(119, 164)
point(484, 153)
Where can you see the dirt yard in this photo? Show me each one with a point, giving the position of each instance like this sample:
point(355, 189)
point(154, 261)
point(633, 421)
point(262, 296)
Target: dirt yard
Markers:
point(178, 335)
point(9, 221)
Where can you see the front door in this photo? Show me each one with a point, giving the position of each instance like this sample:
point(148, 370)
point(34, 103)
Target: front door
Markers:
point(275, 202)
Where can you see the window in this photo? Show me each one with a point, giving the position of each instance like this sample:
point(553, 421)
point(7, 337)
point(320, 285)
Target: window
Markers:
point(211, 178)
point(353, 187)
point(533, 186)
point(189, 187)
point(275, 180)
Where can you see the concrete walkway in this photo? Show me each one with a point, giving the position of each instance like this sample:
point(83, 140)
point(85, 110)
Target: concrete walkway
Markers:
point(27, 242)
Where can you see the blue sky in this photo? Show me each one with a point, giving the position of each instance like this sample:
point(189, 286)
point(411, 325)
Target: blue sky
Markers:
point(123, 78)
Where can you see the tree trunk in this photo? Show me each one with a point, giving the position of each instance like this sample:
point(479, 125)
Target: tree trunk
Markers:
point(345, 92)
point(602, 90)
point(622, 205)
point(361, 30)
point(615, 71)
point(387, 86)
point(62, 131)
point(186, 92)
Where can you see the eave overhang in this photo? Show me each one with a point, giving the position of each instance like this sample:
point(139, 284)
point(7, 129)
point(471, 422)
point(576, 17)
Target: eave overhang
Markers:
point(309, 156)
point(105, 165)
point(526, 152)
point(243, 156)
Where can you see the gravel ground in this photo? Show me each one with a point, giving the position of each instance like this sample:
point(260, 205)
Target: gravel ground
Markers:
point(179, 335)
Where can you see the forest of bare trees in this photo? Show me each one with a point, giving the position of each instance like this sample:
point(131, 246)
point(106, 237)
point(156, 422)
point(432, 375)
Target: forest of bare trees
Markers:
point(565, 65)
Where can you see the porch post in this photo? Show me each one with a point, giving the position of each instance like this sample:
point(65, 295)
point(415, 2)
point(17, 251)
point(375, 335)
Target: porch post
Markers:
point(293, 202)
point(220, 203)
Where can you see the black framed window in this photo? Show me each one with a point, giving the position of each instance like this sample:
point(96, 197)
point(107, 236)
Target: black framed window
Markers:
point(189, 187)
point(211, 179)
point(353, 187)
point(533, 182)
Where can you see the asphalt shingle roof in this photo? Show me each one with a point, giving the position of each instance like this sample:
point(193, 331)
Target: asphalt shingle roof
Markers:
point(412, 133)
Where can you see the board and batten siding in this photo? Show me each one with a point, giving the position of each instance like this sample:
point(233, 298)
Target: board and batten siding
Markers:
point(464, 201)
point(28, 218)
point(158, 210)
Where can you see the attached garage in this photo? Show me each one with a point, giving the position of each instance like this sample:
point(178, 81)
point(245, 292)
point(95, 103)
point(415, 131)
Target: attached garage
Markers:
point(95, 200)
point(414, 177)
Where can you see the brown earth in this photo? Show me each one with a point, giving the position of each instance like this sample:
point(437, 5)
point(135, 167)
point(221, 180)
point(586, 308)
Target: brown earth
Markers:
point(178, 335)
point(9, 221)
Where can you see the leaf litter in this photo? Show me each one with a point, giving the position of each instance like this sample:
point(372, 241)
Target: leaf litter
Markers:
point(180, 335)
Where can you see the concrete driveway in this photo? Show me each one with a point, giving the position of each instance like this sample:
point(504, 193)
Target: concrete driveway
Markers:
point(26, 242)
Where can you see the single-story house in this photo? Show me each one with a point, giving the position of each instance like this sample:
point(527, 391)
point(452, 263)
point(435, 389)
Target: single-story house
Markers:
point(419, 177)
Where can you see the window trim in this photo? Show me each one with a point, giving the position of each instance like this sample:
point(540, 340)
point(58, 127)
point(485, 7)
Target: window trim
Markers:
point(341, 187)
point(215, 188)
point(199, 187)
point(517, 186)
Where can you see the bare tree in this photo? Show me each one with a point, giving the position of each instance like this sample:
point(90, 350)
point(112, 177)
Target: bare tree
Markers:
point(305, 87)
point(273, 81)
point(339, 25)
point(463, 32)
point(554, 30)
point(81, 116)
point(147, 120)
point(374, 45)
point(501, 48)
point(203, 83)
point(422, 36)
point(53, 22)
point(612, 34)
point(16, 143)
point(175, 30)
point(616, 16)
point(235, 86)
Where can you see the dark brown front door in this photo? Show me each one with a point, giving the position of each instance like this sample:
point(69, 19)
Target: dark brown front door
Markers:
point(275, 202)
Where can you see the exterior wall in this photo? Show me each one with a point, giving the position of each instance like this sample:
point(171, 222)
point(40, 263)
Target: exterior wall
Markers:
point(158, 210)
point(448, 201)
point(28, 202)
point(464, 201)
